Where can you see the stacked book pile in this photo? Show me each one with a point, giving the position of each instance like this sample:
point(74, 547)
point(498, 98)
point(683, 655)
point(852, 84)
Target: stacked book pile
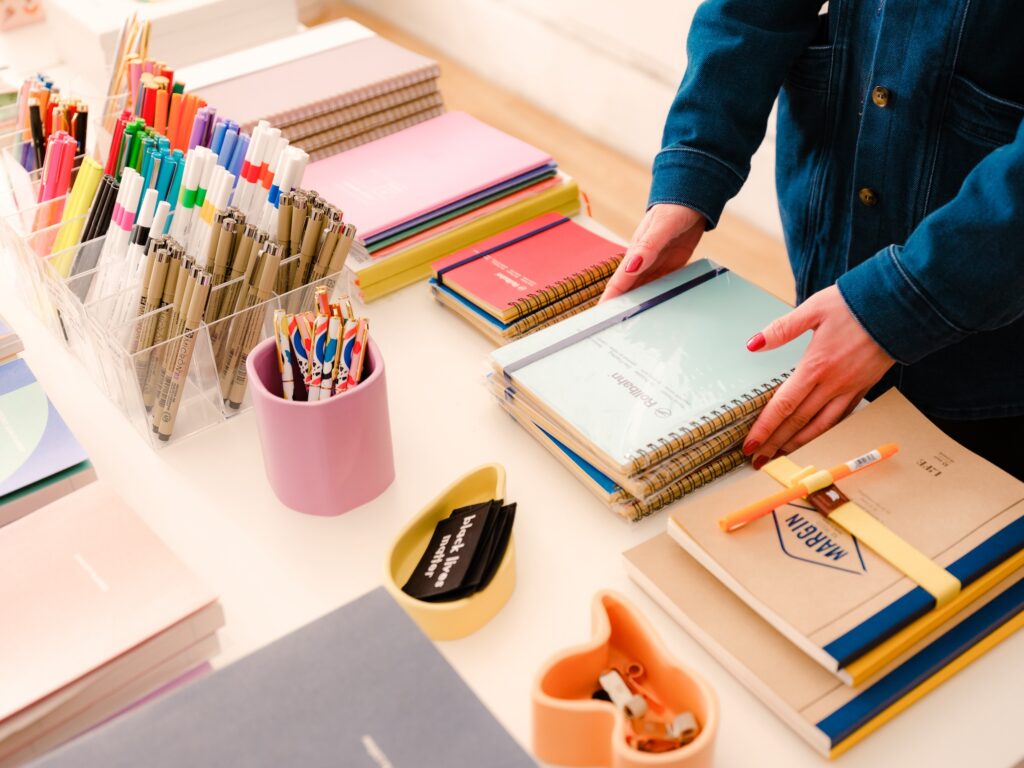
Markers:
point(648, 396)
point(527, 277)
point(328, 89)
point(429, 190)
point(40, 460)
point(98, 614)
point(832, 636)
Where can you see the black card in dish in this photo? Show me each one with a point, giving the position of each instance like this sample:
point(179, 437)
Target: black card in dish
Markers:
point(441, 571)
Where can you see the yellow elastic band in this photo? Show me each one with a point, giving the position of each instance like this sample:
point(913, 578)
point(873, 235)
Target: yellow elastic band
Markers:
point(937, 581)
point(787, 471)
point(942, 585)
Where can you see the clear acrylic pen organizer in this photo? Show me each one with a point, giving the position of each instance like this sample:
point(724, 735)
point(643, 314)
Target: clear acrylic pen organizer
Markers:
point(106, 334)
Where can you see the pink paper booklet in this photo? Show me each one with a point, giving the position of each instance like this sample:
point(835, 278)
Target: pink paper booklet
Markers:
point(83, 581)
point(388, 182)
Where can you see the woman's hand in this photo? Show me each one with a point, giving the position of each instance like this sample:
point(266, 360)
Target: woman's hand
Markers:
point(663, 242)
point(841, 364)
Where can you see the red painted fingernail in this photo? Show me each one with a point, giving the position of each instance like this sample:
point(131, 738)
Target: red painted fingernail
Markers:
point(755, 342)
point(750, 446)
point(634, 264)
point(760, 461)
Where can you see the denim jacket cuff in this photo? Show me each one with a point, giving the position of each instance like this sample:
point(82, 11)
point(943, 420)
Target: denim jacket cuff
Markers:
point(894, 310)
point(694, 178)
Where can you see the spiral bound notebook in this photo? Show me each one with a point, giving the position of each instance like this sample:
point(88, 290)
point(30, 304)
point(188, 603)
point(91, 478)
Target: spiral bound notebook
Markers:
point(633, 381)
point(530, 266)
point(307, 75)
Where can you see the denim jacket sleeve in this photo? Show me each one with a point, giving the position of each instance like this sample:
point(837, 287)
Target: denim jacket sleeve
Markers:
point(961, 271)
point(738, 54)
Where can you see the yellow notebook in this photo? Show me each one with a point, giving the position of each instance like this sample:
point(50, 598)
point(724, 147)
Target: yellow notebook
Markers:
point(377, 278)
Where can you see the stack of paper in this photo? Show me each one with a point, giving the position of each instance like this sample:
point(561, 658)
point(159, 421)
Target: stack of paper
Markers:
point(527, 277)
point(10, 342)
point(40, 460)
point(96, 613)
point(329, 88)
point(830, 635)
point(432, 189)
point(649, 395)
point(361, 686)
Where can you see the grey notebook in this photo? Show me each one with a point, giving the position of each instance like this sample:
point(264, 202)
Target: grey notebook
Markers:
point(361, 686)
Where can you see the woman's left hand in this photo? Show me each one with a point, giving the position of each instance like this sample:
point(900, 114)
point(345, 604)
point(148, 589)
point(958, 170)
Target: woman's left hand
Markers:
point(841, 364)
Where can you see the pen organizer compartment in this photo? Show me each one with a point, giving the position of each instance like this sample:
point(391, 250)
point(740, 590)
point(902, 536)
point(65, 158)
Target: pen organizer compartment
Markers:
point(576, 721)
point(325, 457)
point(453, 619)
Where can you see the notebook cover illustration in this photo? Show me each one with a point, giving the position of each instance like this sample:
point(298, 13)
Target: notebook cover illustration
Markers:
point(830, 595)
point(663, 366)
point(36, 444)
point(829, 715)
point(523, 262)
point(302, 701)
point(393, 180)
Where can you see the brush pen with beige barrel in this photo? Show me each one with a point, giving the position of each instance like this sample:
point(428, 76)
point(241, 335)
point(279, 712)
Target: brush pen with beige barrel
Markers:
point(146, 323)
point(254, 323)
point(187, 283)
point(183, 357)
point(164, 323)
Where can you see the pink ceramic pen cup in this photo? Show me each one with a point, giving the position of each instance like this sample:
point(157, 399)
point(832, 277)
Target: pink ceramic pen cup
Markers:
point(329, 456)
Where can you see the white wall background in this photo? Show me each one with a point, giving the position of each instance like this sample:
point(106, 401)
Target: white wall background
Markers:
point(608, 67)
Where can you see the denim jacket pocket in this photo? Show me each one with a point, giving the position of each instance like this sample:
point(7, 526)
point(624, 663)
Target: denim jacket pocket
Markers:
point(810, 71)
point(976, 123)
point(981, 117)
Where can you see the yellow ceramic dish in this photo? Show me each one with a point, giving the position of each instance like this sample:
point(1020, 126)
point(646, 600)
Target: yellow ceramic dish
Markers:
point(458, 618)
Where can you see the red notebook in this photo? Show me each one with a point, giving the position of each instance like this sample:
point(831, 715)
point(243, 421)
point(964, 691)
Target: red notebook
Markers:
point(529, 266)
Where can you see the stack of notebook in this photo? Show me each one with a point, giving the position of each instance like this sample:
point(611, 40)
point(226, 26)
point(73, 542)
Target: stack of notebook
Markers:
point(40, 460)
point(97, 614)
point(328, 89)
point(527, 277)
point(831, 636)
point(648, 396)
point(427, 191)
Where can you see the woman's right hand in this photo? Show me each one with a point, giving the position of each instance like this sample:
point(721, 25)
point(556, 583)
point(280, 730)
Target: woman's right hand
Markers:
point(663, 242)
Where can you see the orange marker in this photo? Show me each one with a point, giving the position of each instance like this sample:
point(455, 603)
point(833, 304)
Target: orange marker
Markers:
point(761, 508)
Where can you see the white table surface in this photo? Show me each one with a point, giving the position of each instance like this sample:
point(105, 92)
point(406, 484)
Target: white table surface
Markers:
point(276, 570)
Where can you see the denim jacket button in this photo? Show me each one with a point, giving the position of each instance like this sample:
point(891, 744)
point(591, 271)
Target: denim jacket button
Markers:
point(868, 196)
point(880, 95)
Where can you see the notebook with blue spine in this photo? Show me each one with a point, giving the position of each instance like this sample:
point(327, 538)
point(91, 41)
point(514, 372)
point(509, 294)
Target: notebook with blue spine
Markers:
point(831, 716)
point(831, 595)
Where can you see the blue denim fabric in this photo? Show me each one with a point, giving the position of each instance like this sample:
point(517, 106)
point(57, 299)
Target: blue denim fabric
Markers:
point(934, 270)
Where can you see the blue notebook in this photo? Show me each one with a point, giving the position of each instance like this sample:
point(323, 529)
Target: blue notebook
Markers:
point(40, 460)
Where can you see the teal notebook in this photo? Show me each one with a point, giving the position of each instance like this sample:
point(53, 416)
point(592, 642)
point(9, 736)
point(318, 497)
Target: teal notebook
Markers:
point(634, 380)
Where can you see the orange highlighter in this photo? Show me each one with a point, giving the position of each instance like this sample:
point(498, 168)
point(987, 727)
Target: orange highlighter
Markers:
point(763, 507)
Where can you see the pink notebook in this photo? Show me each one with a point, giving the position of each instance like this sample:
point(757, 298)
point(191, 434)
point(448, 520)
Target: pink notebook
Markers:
point(82, 581)
point(408, 174)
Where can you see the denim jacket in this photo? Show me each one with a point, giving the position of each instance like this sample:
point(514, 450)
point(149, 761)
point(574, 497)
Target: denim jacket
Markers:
point(899, 168)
